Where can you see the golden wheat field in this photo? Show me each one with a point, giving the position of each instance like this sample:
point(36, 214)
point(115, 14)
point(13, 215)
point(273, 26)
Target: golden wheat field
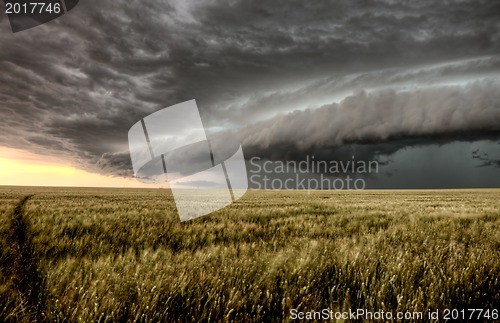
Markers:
point(119, 255)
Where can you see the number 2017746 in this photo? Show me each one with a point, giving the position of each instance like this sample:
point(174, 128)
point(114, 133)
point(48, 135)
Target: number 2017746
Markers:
point(33, 8)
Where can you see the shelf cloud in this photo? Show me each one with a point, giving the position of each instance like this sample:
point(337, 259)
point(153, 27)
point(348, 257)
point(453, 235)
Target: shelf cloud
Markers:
point(382, 115)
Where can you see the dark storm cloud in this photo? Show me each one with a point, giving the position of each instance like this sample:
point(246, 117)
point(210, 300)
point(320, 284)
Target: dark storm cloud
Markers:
point(324, 90)
point(485, 159)
point(74, 86)
point(382, 115)
point(118, 164)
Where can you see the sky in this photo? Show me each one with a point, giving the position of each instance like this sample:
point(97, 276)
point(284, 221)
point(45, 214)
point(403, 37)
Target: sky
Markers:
point(412, 85)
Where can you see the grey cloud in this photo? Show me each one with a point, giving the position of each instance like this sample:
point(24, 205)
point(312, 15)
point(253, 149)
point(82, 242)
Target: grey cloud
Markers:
point(485, 159)
point(117, 164)
point(263, 105)
point(382, 115)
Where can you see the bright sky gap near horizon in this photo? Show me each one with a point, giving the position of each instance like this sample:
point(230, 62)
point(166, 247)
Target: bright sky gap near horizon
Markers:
point(415, 86)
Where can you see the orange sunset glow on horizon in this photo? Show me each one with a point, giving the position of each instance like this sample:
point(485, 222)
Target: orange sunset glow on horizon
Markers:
point(23, 168)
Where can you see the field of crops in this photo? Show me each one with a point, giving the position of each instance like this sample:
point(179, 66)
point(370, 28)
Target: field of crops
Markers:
point(112, 255)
